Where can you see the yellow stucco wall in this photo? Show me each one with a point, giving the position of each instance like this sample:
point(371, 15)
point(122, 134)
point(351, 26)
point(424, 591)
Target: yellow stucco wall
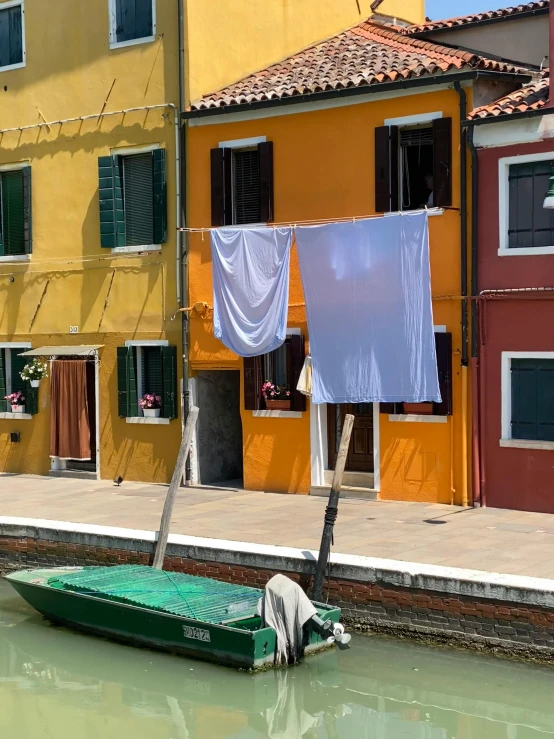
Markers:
point(324, 168)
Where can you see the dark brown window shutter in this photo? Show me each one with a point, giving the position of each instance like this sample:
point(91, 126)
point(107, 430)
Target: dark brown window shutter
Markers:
point(442, 153)
point(298, 355)
point(386, 169)
point(221, 172)
point(252, 383)
point(443, 344)
point(391, 409)
point(265, 151)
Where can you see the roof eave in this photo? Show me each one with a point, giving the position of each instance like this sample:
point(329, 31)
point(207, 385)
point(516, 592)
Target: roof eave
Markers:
point(506, 117)
point(443, 79)
point(482, 22)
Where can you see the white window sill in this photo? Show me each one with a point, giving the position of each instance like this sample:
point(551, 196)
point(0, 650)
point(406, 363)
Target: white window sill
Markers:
point(9, 67)
point(415, 418)
point(531, 251)
point(131, 42)
point(430, 212)
point(136, 249)
point(148, 421)
point(15, 258)
point(17, 416)
point(277, 414)
point(526, 444)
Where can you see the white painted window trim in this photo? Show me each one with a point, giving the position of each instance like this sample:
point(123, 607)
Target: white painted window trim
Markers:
point(16, 165)
point(281, 414)
point(8, 346)
point(16, 416)
point(125, 152)
point(506, 402)
point(504, 205)
point(114, 44)
point(413, 120)
point(13, 4)
point(139, 345)
point(15, 258)
point(242, 143)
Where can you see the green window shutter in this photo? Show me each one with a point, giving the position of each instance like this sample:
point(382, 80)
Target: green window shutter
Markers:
point(3, 402)
point(13, 212)
point(169, 395)
point(132, 396)
point(27, 210)
point(127, 401)
point(31, 399)
point(160, 196)
point(110, 192)
point(18, 362)
point(532, 399)
point(138, 197)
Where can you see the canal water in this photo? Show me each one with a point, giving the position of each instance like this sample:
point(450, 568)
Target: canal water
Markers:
point(55, 684)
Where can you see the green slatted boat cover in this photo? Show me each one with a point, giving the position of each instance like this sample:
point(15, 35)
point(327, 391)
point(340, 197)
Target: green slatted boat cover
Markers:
point(189, 596)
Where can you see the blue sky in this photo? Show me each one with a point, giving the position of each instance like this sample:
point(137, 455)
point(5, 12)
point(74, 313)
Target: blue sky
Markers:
point(448, 8)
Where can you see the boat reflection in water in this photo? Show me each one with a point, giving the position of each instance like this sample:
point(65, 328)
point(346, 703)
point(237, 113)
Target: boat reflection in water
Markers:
point(55, 683)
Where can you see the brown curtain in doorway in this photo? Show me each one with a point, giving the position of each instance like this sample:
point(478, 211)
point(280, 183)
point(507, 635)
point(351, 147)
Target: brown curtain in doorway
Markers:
point(69, 416)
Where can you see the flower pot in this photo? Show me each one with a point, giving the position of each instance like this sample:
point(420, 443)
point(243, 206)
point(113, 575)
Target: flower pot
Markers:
point(35, 383)
point(277, 405)
point(151, 412)
point(18, 409)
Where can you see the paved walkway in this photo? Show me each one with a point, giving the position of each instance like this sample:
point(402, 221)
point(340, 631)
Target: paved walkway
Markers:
point(486, 539)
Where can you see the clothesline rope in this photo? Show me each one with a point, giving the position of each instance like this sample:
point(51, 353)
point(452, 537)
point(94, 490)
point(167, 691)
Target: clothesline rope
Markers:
point(314, 221)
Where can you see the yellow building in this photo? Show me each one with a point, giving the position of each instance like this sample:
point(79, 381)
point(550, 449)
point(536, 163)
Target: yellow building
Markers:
point(347, 128)
point(92, 180)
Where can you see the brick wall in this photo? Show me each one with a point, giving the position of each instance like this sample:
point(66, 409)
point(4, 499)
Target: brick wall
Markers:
point(508, 628)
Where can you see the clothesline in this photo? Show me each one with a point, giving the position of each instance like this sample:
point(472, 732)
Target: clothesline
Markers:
point(315, 221)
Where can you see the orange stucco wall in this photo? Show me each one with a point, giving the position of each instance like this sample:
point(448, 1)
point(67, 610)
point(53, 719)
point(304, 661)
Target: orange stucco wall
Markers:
point(324, 168)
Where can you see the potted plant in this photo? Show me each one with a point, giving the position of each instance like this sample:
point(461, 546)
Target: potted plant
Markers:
point(151, 405)
point(17, 401)
point(34, 372)
point(276, 398)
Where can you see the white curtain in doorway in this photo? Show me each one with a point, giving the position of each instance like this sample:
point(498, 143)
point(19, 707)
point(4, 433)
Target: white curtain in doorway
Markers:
point(367, 286)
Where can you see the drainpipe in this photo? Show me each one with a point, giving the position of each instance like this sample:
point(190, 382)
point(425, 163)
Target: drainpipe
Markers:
point(182, 237)
point(474, 361)
point(463, 265)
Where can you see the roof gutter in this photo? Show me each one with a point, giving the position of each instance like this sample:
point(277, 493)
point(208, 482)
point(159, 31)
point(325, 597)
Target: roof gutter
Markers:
point(446, 79)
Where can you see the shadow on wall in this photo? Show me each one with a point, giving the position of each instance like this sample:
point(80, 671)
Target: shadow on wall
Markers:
point(410, 472)
point(278, 461)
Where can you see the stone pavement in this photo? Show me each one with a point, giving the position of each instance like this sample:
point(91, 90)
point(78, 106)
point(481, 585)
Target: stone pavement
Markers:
point(492, 540)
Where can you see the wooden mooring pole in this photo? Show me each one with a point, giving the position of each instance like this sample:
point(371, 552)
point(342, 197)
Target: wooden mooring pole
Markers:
point(163, 534)
point(332, 509)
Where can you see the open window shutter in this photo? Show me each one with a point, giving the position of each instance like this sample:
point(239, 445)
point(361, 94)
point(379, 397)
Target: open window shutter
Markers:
point(13, 221)
point(132, 390)
point(169, 373)
point(265, 151)
point(110, 191)
point(386, 169)
point(160, 195)
point(443, 344)
point(221, 186)
point(122, 394)
point(3, 402)
point(31, 399)
point(143, 21)
point(297, 362)
point(27, 210)
point(442, 153)
point(252, 383)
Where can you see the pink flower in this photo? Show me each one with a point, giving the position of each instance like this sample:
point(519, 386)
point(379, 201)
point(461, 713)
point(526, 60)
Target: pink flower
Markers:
point(15, 398)
point(150, 400)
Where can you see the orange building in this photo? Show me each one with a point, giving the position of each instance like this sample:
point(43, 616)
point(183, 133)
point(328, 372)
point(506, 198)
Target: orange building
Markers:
point(356, 125)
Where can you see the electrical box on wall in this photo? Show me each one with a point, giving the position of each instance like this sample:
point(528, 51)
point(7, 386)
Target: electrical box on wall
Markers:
point(15, 437)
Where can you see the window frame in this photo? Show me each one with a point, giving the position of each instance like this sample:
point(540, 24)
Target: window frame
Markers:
point(7, 6)
point(504, 164)
point(7, 347)
point(114, 43)
point(506, 439)
point(139, 346)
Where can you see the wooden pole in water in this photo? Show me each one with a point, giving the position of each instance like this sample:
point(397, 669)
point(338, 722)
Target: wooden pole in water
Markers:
point(163, 534)
point(332, 509)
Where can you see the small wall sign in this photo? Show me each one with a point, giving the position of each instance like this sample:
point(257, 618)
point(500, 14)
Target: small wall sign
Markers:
point(74, 329)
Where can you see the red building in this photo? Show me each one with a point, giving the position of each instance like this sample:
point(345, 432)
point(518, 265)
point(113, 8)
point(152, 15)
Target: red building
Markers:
point(513, 340)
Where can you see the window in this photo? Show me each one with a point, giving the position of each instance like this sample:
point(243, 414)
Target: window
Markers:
point(443, 347)
point(281, 367)
point(132, 21)
point(11, 364)
point(15, 212)
point(143, 369)
point(133, 199)
point(530, 225)
point(242, 184)
point(12, 44)
point(528, 397)
point(413, 166)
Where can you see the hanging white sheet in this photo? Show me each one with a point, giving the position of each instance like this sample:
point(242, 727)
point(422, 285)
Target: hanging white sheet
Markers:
point(251, 288)
point(367, 287)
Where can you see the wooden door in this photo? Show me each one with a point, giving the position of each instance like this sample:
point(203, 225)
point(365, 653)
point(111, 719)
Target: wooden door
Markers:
point(360, 453)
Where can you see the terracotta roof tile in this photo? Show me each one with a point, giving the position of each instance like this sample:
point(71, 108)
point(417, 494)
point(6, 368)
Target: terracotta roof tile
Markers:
point(367, 54)
point(466, 20)
point(533, 96)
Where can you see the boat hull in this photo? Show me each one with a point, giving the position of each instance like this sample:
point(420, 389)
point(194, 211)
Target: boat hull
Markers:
point(222, 644)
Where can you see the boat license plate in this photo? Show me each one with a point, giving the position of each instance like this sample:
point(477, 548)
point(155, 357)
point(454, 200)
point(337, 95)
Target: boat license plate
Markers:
point(192, 632)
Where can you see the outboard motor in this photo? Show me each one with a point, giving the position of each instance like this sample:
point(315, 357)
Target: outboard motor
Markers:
point(331, 632)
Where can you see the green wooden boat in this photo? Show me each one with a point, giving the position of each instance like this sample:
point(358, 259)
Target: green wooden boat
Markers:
point(183, 614)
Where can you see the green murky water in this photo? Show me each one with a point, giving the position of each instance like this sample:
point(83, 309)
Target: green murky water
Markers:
point(55, 684)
